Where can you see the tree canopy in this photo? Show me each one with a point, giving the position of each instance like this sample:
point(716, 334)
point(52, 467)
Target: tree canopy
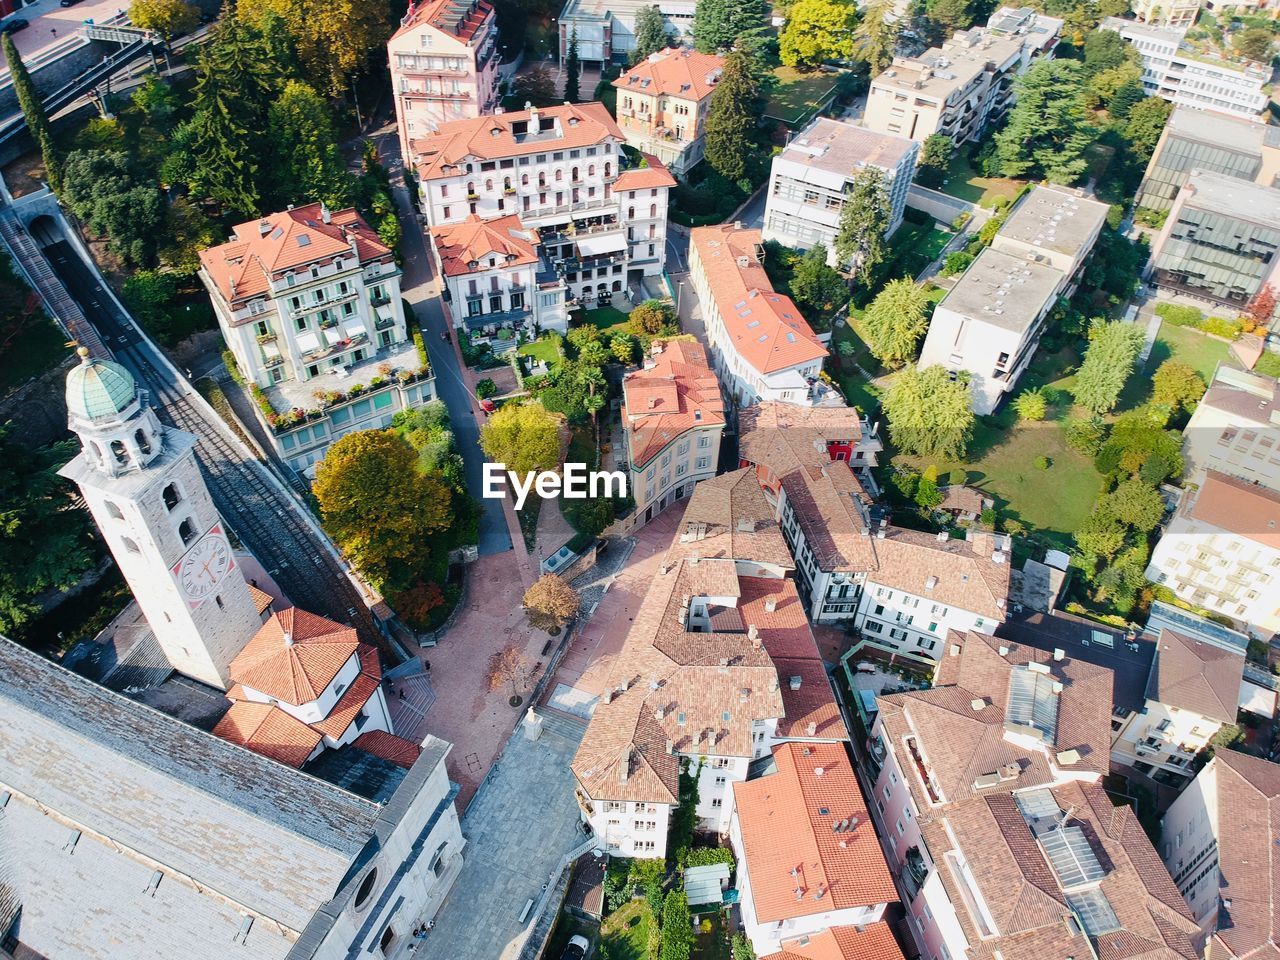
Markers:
point(525, 437)
point(169, 18)
point(307, 164)
point(720, 25)
point(1108, 362)
point(731, 117)
point(572, 69)
point(32, 106)
point(863, 218)
point(929, 413)
point(1177, 385)
point(651, 33)
point(817, 31)
point(1048, 130)
point(107, 192)
point(876, 36)
point(334, 40)
point(550, 602)
point(896, 320)
point(815, 284)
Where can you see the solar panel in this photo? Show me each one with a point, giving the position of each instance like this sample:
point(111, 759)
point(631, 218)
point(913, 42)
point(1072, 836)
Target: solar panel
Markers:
point(1095, 912)
point(1032, 702)
point(1072, 857)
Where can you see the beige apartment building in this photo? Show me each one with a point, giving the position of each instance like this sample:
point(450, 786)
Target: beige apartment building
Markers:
point(662, 105)
point(960, 88)
point(444, 65)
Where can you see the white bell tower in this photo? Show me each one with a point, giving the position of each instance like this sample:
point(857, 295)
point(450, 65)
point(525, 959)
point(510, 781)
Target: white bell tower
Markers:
point(144, 489)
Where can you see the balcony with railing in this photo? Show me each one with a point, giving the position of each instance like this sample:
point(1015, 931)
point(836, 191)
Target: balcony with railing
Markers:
point(336, 348)
point(915, 871)
point(310, 306)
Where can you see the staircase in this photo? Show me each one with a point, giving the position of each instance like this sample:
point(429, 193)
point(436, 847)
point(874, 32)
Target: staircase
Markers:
point(409, 716)
point(565, 725)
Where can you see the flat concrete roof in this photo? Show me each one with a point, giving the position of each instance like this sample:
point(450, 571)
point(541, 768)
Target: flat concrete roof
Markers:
point(1223, 131)
point(1241, 199)
point(1056, 218)
point(940, 71)
point(843, 148)
point(1003, 290)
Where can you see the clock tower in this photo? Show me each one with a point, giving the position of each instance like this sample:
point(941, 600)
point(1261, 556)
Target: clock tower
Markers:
point(145, 491)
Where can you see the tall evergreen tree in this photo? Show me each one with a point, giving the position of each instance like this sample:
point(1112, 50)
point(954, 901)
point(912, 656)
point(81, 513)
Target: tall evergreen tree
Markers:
point(731, 117)
point(1048, 130)
point(651, 33)
point(308, 166)
point(876, 36)
point(32, 107)
point(860, 233)
point(572, 69)
point(720, 25)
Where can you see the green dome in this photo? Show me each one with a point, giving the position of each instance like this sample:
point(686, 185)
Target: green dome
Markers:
point(99, 389)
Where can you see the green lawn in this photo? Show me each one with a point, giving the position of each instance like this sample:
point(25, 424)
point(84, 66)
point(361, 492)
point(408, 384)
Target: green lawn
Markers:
point(626, 931)
point(711, 945)
point(964, 182)
point(544, 349)
point(604, 318)
point(797, 95)
point(1178, 343)
point(912, 248)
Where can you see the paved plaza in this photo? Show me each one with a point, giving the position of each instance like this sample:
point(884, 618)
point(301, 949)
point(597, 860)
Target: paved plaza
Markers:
point(521, 823)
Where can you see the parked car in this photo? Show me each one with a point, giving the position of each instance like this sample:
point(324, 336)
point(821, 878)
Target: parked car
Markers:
point(14, 25)
point(577, 948)
point(68, 3)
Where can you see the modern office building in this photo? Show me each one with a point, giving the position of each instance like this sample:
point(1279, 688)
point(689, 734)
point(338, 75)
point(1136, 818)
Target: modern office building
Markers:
point(812, 175)
point(964, 86)
point(606, 29)
point(444, 65)
point(662, 105)
point(1173, 71)
point(1213, 143)
point(1220, 240)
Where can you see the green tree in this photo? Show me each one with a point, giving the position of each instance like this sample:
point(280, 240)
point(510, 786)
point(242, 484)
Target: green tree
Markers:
point(876, 37)
point(169, 18)
point(651, 318)
point(1103, 87)
point(815, 284)
point(928, 495)
point(1100, 534)
point(1136, 504)
point(333, 40)
point(651, 33)
point(677, 926)
point(1085, 435)
point(929, 413)
point(307, 164)
point(378, 507)
point(1138, 444)
point(45, 541)
point(731, 117)
point(1104, 50)
point(32, 106)
point(942, 18)
point(104, 190)
point(525, 437)
point(1255, 43)
point(1031, 404)
point(537, 87)
point(1177, 384)
point(957, 261)
point(1128, 96)
point(1145, 123)
point(817, 31)
point(896, 320)
point(935, 158)
point(860, 232)
point(623, 348)
point(720, 25)
point(1047, 132)
point(1107, 364)
point(572, 69)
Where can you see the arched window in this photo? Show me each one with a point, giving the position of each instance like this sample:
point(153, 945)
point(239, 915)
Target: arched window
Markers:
point(574, 175)
point(542, 178)
point(524, 179)
point(143, 443)
point(607, 167)
point(591, 170)
point(653, 209)
point(488, 185)
point(113, 511)
point(617, 285)
point(95, 451)
point(471, 188)
point(559, 175)
point(130, 545)
point(506, 183)
point(119, 452)
point(171, 496)
point(187, 531)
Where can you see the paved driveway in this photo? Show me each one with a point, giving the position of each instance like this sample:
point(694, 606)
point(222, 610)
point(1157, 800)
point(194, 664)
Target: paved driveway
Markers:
point(522, 821)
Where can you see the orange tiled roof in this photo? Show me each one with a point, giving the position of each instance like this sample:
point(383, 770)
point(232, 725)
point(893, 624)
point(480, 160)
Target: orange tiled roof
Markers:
point(797, 863)
point(504, 240)
point(682, 73)
point(389, 747)
point(728, 517)
point(677, 393)
point(871, 942)
point(766, 328)
point(652, 174)
point(277, 244)
point(266, 729)
point(261, 599)
point(434, 13)
point(354, 697)
point(494, 137)
point(1240, 507)
point(294, 656)
point(1189, 674)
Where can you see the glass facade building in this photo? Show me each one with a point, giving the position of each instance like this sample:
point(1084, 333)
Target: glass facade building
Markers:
point(1224, 256)
point(1178, 155)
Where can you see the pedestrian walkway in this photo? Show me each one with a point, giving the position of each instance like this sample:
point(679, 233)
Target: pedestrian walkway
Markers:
point(522, 822)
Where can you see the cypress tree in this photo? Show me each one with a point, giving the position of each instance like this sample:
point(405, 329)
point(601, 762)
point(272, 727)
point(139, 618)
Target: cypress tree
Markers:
point(731, 118)
point(33, 110)
point(572, 69)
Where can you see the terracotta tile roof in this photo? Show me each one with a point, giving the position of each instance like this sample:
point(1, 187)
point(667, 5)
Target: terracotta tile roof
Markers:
point(294, 656)
point(355, 696)
point(1237, 506)
point(964, 499)
point(871, 942)
point(389, 747)
point(1190, 674)
point(285, 242)
point(261, 599)
point(811, 710)
point(495, 137)
point(713, 578)
point(651, 176)
point(266, 729)
point(442, 15)
point(1023, 892)
point(1248, 805)
point(677, 393)
point(789, 846)
point(505, 240)
point(682, 73)
point(828, 502)
point(765, 328)
point(802, 429)
point(963, 573)
point(729, 517)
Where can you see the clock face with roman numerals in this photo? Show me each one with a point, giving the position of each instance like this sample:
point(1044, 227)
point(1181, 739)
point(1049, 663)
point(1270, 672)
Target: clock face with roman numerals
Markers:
point(205, 565)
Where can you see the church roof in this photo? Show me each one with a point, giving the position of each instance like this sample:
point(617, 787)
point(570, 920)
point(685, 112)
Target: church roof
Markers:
point(99, 389)
point(294, 656)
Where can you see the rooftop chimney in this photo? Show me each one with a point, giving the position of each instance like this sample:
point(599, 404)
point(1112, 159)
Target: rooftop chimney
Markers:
point(1058, 653)
point(264, 227)
point(325, 215)
point(288, 639)
point(794, 683)
point(811, 729)
point(671, 747)
point(659, 713)
point(753, 634)
point(771, 605)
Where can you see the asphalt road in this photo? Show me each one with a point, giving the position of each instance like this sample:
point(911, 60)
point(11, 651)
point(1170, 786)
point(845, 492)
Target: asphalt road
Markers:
point(418, 287)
